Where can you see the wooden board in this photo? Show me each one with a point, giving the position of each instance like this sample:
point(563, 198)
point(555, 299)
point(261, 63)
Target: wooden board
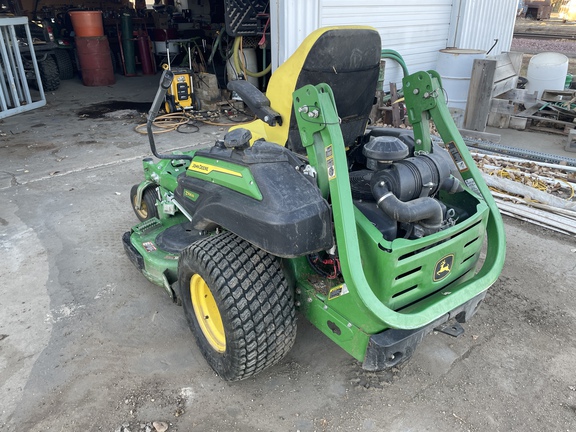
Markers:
point(530, 111)
point(490, 78)
point(566, 124)
point(479, 94)
point(503, 106)
point(521, 96)
point(506, 74)
point(518, 123)
point(499, 120)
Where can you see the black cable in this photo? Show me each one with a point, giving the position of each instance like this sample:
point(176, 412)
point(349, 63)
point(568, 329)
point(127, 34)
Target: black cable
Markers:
point(304, 117)
point(314, 261)
point(189, 124)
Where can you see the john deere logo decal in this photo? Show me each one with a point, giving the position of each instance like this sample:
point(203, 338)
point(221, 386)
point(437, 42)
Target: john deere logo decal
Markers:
point(190, 195)
point(443, 267)
point(204, 168)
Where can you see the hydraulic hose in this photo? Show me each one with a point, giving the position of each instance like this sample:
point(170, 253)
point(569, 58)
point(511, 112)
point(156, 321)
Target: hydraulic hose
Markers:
point(236, 58)
point(394, 55)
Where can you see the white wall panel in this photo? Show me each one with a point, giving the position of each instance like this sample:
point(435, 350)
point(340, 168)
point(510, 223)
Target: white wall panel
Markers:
point(417, 29)
point(294, 20)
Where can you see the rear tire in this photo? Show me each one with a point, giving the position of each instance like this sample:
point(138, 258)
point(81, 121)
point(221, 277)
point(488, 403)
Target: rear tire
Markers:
point(238, 305)
point(49, 74)
point(64, 63)
point(148, 208)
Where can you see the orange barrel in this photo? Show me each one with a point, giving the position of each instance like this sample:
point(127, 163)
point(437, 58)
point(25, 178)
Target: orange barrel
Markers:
point(95, 61)
point(87, 23)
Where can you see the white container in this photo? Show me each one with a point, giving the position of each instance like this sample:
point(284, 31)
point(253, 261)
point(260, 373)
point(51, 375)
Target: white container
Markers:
point(546, 71)
point(160, 48)
point(251, 63)
point(455, 68)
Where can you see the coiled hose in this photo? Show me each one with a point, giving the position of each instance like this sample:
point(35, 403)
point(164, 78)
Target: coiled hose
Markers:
point(236, 58)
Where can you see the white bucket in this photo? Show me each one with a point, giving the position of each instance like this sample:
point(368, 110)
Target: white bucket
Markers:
point(546, 71)
point(250, 62)
point(455, 68)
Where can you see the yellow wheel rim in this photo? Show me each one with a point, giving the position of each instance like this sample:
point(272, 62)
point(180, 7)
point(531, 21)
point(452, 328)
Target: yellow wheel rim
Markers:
point(207, 313)
point(143, 212)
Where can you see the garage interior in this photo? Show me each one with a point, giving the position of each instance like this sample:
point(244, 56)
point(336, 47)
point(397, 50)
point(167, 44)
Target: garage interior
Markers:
point(209, 42)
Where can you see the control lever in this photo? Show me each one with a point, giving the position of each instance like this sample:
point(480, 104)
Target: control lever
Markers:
point(165, 83)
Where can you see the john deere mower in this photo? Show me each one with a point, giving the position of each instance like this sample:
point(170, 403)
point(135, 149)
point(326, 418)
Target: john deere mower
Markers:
point(372, 234)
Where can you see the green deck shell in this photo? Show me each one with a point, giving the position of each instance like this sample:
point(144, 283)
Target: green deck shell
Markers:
point(232, 176)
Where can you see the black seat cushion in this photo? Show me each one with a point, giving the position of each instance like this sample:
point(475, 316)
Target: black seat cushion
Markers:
point(348, 61)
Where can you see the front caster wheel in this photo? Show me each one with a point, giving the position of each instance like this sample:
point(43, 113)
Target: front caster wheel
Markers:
point(238, 305)
point(148, 208)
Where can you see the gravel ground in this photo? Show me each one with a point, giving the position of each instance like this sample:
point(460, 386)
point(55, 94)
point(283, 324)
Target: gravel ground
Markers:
point(535, 46)
point(530, 46)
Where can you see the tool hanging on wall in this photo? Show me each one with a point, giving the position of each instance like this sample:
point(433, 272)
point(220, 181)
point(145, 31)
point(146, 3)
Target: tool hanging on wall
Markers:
point(180, 94)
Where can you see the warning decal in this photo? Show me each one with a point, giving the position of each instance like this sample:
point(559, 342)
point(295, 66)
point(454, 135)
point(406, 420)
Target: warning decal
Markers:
point(473, 186)
point(338, 291)
point(149, 246)
point(330, 163)
point(456, 156)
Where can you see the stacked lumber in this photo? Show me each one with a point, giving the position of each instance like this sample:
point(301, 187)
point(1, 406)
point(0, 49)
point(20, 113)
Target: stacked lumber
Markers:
point(536, 192)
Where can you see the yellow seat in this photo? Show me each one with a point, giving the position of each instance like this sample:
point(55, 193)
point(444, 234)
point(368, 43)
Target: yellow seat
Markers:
point(345, 57)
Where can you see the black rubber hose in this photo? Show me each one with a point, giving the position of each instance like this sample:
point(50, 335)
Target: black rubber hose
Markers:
point(426, 210)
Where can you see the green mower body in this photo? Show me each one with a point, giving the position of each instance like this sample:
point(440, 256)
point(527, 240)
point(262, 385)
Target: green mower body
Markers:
point(373, 272)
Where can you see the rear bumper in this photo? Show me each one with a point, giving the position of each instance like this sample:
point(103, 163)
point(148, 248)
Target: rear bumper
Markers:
point(392, 346)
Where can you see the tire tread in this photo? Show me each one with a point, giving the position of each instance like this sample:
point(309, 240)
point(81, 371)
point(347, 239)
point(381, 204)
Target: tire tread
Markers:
point(256, 299)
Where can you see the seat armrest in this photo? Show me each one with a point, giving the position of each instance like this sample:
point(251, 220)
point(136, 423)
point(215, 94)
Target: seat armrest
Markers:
point(256, 101)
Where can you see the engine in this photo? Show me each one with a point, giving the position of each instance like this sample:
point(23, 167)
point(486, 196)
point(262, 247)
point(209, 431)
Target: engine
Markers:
point(405, 188)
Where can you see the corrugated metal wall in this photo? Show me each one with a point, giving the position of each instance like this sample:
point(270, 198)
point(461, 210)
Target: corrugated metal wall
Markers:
point(294, 20)
point(477, 23)
point(417, 29)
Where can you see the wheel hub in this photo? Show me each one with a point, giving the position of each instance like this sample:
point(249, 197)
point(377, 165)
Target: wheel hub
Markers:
point(207, 313)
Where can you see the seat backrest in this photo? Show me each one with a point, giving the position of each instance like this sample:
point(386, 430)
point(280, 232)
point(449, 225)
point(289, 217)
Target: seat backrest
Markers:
point(347, 58)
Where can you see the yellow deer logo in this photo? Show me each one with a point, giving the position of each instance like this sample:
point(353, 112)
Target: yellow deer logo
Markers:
point(443, 267)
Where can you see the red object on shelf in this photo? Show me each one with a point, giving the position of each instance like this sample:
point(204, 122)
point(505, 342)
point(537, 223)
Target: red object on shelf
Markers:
point(145, 54)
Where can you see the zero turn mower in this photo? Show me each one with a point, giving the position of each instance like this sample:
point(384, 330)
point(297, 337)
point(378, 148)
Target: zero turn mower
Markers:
point(372, 234)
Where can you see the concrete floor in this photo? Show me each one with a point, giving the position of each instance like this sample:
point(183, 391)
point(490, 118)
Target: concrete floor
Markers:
point(87, 344)
point(61, 137)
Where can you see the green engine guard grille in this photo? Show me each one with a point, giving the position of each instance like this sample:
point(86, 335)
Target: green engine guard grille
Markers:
point(412, 270)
